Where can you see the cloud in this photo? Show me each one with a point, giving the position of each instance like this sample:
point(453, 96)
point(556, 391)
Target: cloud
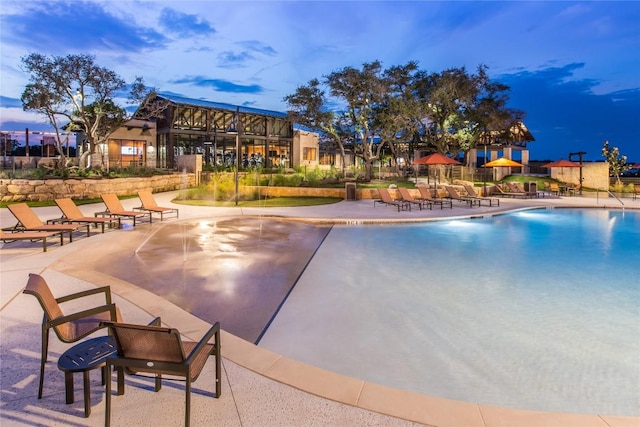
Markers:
point(220, 85)
point(259, 47)
point(229, 59)
point(76, 26)
point(184, 25)
point(565, 115)
point(7, 102)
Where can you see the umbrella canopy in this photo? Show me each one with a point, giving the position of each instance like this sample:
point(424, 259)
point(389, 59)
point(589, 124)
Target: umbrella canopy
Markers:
point(562, 164)
point(436, 159)
point(503, 162)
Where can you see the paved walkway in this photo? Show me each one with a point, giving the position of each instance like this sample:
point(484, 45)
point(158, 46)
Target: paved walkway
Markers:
point(259, 388)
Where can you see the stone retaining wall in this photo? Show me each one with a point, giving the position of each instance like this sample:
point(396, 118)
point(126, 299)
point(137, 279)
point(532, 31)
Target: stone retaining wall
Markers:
point(22, 190)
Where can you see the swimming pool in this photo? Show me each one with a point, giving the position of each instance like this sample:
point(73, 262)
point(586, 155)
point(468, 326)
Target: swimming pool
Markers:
point(537, 310)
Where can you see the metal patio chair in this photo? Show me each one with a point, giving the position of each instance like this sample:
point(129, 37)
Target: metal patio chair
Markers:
point(157, 351)
point(69, 328)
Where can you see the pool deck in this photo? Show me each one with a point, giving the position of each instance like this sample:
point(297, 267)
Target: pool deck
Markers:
point(259, 388)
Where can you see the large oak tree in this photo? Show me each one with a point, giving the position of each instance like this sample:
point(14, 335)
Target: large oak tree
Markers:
point(77, 95)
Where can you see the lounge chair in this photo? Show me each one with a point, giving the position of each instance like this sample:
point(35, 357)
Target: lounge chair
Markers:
point(71, 327)
point(34, 236)
point(71, 213)
point(516, 188)
point(385, 198)
point(508, 193)
point(149, 204)
point(425, 194)
point(407, 197)
point(29, 221)
point(115, 209)
point(454, 195)
point(636, 191)
point(156, 351)
point(471, 192)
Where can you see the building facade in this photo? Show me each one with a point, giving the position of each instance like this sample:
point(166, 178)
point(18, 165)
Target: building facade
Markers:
point(224, 134)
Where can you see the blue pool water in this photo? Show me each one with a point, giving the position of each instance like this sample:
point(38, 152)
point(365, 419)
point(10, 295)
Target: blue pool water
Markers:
point(537, 310)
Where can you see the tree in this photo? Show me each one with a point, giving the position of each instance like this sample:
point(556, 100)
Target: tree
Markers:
point(77, 95)
point(357, 92)
point(403, 106)
point(308, 106)
point(617, 163)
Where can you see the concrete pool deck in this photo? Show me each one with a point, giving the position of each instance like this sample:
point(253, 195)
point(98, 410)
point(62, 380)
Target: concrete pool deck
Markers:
point(259, 388)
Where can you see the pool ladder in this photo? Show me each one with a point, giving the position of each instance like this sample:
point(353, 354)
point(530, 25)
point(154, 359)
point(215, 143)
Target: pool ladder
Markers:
point(610, 194)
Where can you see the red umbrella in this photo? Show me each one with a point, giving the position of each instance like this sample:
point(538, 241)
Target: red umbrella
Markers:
point(562, 164)
point(436, 159)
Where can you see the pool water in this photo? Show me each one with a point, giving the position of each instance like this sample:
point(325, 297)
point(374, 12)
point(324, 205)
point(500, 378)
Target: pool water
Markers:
point(536, 310)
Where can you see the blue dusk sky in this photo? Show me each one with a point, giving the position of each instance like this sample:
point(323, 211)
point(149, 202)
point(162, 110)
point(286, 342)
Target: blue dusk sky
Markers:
point(573, 67)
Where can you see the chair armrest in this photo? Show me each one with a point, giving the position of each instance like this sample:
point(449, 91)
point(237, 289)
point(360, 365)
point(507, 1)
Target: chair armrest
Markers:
point(103, 289)
point(85, 313)
point(155, 322)
point(214, 330)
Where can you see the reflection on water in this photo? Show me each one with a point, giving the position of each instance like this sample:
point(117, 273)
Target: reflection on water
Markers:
point(236, 271)
point(536, 310)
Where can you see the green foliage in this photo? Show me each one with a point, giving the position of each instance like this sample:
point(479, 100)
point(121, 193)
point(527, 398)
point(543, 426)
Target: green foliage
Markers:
point(617, 163)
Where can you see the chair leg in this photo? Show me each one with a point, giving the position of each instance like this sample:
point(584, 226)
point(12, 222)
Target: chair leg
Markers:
point(43, 358)
point(107, 397)
point(158, 382)
point(187, 407)
point(218, 365)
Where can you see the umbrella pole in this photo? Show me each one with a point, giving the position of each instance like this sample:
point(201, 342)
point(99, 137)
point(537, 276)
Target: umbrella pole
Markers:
point(484, 172)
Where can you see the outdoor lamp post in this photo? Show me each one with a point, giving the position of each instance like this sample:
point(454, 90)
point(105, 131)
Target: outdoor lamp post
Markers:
point(234, 129)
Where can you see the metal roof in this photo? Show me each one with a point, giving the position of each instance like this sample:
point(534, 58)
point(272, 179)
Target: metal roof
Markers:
point(220, 105)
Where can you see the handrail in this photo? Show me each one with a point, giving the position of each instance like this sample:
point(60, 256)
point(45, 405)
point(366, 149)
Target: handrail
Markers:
point(610, 193)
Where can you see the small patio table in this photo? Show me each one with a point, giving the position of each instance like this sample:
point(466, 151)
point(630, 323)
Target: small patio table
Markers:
point(85, 357)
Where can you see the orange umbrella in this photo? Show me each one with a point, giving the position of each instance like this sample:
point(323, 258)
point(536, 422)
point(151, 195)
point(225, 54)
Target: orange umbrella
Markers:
point(562, 164)
point(436, 159)
point(503, 162)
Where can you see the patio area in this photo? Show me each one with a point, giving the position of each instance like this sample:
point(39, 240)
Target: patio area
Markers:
point(259, 388)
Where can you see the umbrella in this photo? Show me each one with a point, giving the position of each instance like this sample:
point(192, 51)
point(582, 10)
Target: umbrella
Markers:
point(562, 164)
point(435, 159)
point(565, 164)
point(503, 162)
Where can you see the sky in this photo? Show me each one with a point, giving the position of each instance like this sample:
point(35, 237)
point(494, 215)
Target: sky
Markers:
point(573, 67)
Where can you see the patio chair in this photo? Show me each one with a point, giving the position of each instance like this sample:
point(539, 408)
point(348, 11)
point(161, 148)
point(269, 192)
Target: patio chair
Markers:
point(156, 351)
point(454, 195)
point(407, 197)
point(508, 193)
point(149, 204)
point(425, 194)
point(554, 189)
point(115, 209)
point(71, 213)
point(29, 221)
point(69, 328)
point(386, 199)
point(34, 236)
point(471, 192)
